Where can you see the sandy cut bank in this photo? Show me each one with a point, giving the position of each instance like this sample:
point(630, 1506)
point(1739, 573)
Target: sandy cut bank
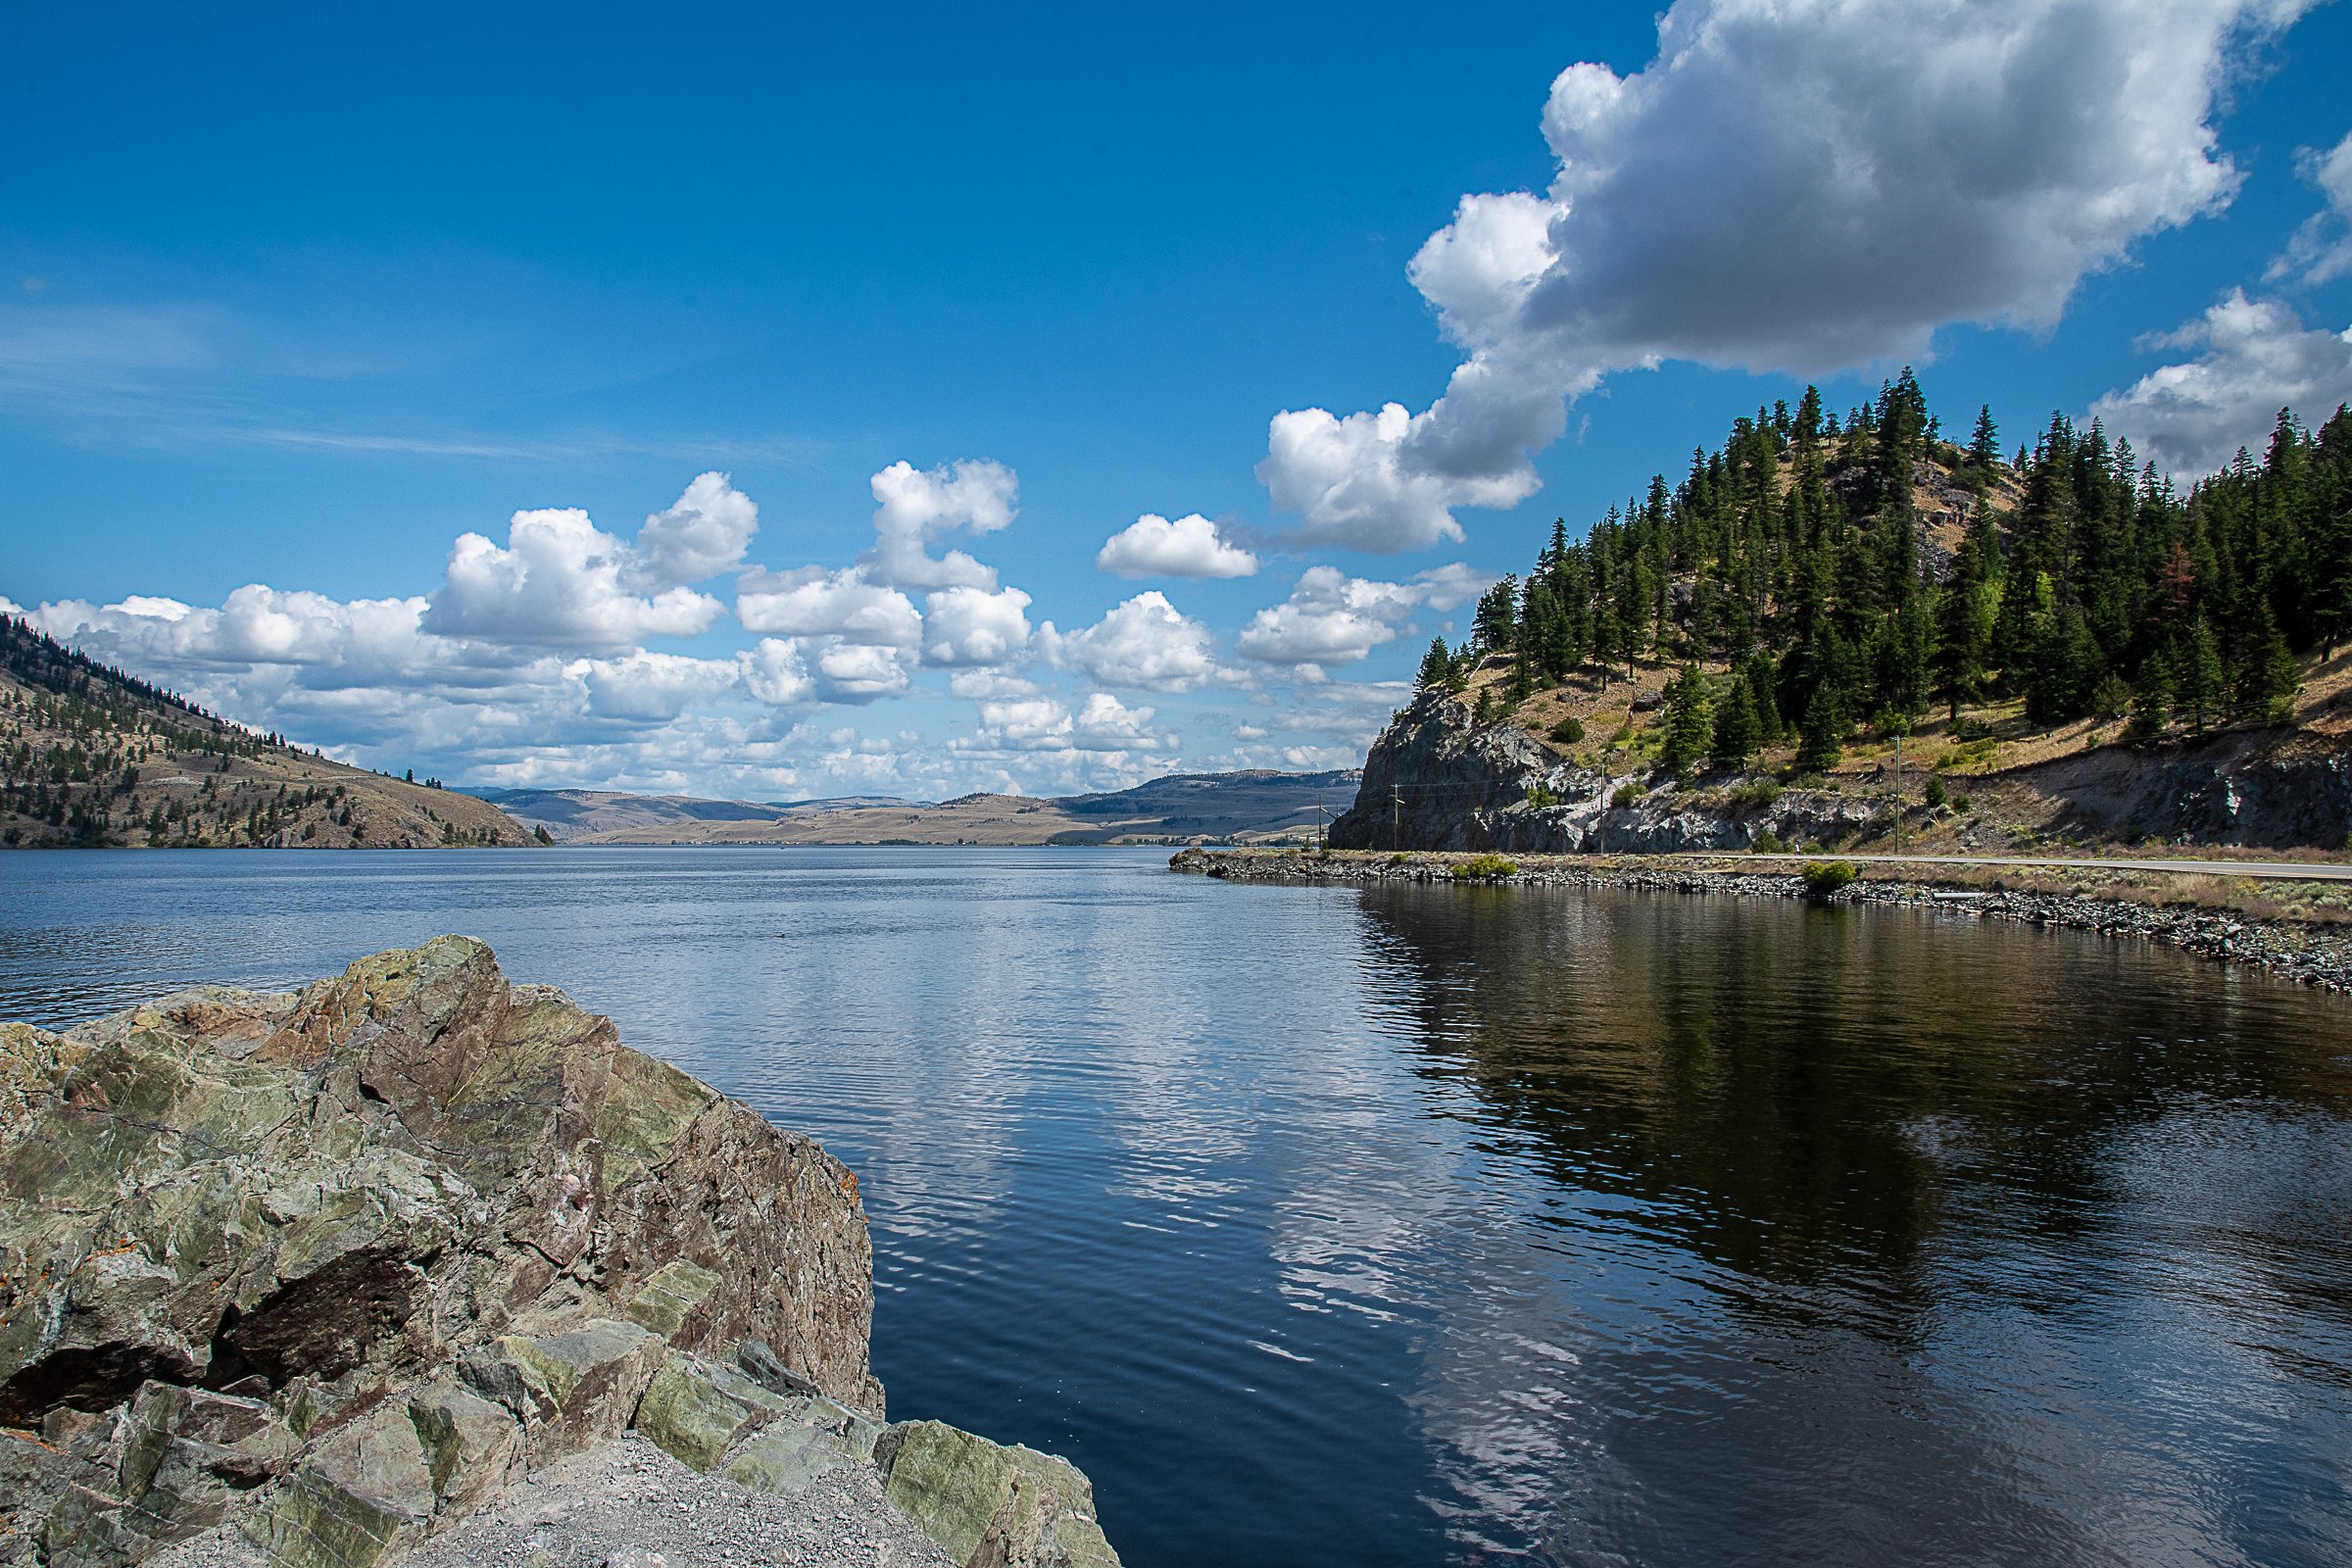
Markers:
point(359, 1273)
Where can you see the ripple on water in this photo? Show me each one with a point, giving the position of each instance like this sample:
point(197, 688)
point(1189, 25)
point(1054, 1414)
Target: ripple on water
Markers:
point(1401, 1226)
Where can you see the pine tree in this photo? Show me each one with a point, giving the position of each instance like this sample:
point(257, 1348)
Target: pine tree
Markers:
point(1984, 447)
point(2198, 684)
point(1437, 665)
point(1822, 732)
point(1737, 730)
point(1690, 721)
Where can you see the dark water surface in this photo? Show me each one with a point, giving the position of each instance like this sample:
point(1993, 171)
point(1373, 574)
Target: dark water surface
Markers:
point(1423, 1226)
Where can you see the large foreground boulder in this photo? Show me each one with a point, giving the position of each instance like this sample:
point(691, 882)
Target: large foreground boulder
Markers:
point(332, 1264)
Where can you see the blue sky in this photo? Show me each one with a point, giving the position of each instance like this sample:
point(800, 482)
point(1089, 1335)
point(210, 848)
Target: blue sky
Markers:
point(295, 299)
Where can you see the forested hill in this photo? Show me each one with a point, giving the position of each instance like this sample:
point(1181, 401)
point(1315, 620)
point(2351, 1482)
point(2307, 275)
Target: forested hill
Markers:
point(1823, 582)
point(92, 757)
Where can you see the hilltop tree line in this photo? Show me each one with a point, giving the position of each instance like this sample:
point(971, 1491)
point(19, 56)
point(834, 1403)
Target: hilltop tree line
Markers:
point(1791, 575)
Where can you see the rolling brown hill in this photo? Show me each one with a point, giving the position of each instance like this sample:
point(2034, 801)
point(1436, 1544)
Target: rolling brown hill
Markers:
point(92, 757)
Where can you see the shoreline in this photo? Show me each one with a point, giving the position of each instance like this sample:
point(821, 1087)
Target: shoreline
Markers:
point(2302, 951)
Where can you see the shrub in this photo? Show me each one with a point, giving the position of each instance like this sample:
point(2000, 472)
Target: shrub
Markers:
point(1481, 866)
point(1538, 798)
point(1959, 803)
point(1628, 794)
point(1972, 729)
point(1825, 877)
point(1768, 843)
point(1755, 794)
point(1569, 731)
point(1625, 732)
point(1935, 794)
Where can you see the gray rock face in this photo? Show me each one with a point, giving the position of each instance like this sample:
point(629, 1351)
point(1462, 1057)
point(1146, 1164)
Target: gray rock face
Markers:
point(334, 1262)
point(1437, 780)
point(319, 1274)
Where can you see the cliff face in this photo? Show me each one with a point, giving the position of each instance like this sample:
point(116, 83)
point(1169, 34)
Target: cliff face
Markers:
point(329, 1269)
point(1437, 780)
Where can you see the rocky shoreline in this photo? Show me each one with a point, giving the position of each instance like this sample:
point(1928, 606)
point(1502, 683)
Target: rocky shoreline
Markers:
point(2305, 954)
point(316, 1279)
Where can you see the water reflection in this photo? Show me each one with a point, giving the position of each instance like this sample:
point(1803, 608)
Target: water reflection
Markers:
point(1444, 1225)
point(1865, 1238)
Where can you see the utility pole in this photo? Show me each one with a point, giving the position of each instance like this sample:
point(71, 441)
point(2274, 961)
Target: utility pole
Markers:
point(1396, 817)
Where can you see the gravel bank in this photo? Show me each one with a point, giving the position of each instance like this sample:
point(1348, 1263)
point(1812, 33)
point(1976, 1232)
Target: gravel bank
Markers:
point(627, 1505)
point(2308, 954)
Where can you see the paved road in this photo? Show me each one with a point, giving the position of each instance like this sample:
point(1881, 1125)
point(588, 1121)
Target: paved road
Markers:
point(2281, 870)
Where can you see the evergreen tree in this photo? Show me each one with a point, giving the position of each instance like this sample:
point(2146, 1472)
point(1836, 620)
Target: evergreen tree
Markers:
point(1822, 733)
point(1690, 721)
point(1737, 730)
point(1984, 447)
point(1437, 665)
point(2197, 685)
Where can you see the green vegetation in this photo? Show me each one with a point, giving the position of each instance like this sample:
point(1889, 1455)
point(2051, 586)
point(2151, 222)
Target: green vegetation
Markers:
point(1825, 877)
point(1628, 794)
point(1481, 866)
point(1792, 560)
point(1569, 731)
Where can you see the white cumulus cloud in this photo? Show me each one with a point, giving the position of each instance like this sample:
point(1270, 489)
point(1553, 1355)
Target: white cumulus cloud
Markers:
point(559, 581)
point(1333, 618)
point(1146, 642)
point(703, 535)
point(2256, 357)
point(653, 687)
point(916, 507)
point(813, 602)
point(1153, 545)
point(1789, 186)
point(970, 627)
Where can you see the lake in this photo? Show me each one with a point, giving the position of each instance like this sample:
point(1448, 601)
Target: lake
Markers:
point(1439, 1225)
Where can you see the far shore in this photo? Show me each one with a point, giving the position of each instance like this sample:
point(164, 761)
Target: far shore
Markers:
point(2290, 918)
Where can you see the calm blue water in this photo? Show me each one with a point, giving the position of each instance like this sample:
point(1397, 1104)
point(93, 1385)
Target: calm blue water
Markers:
point(1336, 1227)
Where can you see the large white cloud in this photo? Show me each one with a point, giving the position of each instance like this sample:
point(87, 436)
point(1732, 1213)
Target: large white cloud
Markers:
point(1153, 545)
point(703, 535)
point(1790, 185)
point(330, 642)
point(813, 602)
point(775, 672)
point(970, 627)
point(561, 581)
point(2256, 357)
point(2321, 249)
point(654, 686)
point(1333, 618)
point(1146, 642)
point(916, 507)
point(1102, 723)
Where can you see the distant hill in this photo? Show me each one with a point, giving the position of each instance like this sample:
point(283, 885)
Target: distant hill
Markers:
point(93, 757)
point(574, 813)
point(1252, 807)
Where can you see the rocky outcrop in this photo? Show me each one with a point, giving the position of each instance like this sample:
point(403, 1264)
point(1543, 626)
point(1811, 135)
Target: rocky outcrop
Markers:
point(329, 1269)
point(2268, 789)
point(1436, 779)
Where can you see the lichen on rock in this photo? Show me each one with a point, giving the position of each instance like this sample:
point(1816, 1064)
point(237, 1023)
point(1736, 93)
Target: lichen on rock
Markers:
point(319, 1273)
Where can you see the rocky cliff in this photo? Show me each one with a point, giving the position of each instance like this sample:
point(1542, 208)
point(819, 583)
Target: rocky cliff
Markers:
point(1436, 779)
point(326, 1271)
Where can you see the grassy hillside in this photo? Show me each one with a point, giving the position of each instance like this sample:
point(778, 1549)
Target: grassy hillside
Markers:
point(92, 757)
point(1818, 596)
